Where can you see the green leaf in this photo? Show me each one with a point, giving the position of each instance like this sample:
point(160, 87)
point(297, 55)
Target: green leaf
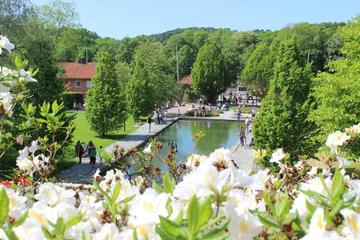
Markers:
point(20, 220)
point(192, 215)
point(267, 220)
point(205, 212)
point(156, 186)
point(283, 207)
point(162, 233)
point(116, 191)
point(170, 227)
point(168, 184)
point(319, 198)
point(55, 107)
point(218, 229)
point(73, 221)
point(337, 186)
point(47, 233)
point(4, 205)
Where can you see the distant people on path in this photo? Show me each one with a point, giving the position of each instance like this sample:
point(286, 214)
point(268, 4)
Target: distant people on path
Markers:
point(149, 120)
point(239, 113)
point(91, 150)
point(101, 153)
point(246, 124)
point(242, 136)
point(79, 150)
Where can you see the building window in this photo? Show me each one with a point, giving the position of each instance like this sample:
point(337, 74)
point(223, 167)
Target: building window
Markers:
point(88, 84)
point(78, 84)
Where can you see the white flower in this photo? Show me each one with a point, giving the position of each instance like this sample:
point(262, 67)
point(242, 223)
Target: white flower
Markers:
point(25, 165)
point(5, 44)
point(244, 226)
point(277, 156)
point(254, 182)
point(34, 146)
point(52, 195)
point(108, 231)
point(147, 207)
point(97, 174)
point(17, 204)
point(351, 224)
point(5, 103)
point(3, 235)
point(343, 162)
point(126, 190)
point(195, 160)
point(220, 155)
point(26, 76)
point(147, 150)
point(317, 228)
point(30, 229)
point(355, 128)
point(336, 139)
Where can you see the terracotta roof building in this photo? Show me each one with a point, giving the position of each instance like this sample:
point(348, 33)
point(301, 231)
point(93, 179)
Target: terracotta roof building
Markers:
point(186, 81)
point(78, 75)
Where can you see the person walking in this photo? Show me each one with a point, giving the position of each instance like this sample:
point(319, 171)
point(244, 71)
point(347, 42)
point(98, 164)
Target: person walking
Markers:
point(242, 136)
point(149, 120)
point(239, 113)
point(79, 150)
point(91, 149)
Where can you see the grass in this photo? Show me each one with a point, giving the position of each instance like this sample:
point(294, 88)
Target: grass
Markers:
point(85, 134)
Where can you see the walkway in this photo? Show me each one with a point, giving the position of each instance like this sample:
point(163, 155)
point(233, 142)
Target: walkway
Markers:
point(243, 156)
point(82, 173)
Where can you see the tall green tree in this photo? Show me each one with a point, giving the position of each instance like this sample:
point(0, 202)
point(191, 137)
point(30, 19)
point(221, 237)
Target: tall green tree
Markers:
point(152, 81)
point(281, 120)
point(259, 69)
point(208, 73)
point(58, 14)
point(49, 87)
point(337, 92)
point(106, 102)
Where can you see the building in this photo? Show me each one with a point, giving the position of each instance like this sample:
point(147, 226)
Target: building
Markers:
point(78, 76)
point(186, 81)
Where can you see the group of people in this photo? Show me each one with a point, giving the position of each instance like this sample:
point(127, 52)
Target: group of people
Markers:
point(89, 151)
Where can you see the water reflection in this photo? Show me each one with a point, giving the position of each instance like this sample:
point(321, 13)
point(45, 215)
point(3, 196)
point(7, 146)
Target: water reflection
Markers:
point(217, 134)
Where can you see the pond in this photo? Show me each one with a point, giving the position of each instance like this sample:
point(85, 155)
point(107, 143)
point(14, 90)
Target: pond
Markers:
point(217, 134)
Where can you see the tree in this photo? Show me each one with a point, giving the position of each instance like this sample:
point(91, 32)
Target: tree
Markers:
point(208, 72)
point(75, 44)
point(152, 81)
point(58, 14)
point(106, 102)
point(259, 69)
point(337, 92)
point(49, 87)
point(281, 120)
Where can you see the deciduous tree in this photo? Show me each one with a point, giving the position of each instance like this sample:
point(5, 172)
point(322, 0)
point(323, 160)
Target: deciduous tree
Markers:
point(106, 103)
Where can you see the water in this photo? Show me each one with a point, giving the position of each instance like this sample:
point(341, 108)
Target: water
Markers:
point(217, 134)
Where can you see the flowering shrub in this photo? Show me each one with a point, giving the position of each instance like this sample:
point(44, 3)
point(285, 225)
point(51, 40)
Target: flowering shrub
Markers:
point(215, 200)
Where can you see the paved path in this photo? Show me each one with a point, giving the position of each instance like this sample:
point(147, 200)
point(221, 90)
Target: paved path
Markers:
point(243, 156)
point(82, 173)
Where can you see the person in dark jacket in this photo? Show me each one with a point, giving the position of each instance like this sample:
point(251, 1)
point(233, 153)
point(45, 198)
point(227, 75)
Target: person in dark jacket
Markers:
point(91, 150)
point(79, 150)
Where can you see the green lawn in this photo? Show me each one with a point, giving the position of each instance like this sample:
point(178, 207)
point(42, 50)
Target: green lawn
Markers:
point(85, 134)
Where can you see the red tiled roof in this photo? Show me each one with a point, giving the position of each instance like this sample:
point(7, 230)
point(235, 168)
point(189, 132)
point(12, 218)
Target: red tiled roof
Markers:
point(74, 70)
point(186, 80)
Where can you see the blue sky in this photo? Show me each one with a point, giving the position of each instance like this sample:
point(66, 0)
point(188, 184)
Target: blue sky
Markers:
point(120, 18)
